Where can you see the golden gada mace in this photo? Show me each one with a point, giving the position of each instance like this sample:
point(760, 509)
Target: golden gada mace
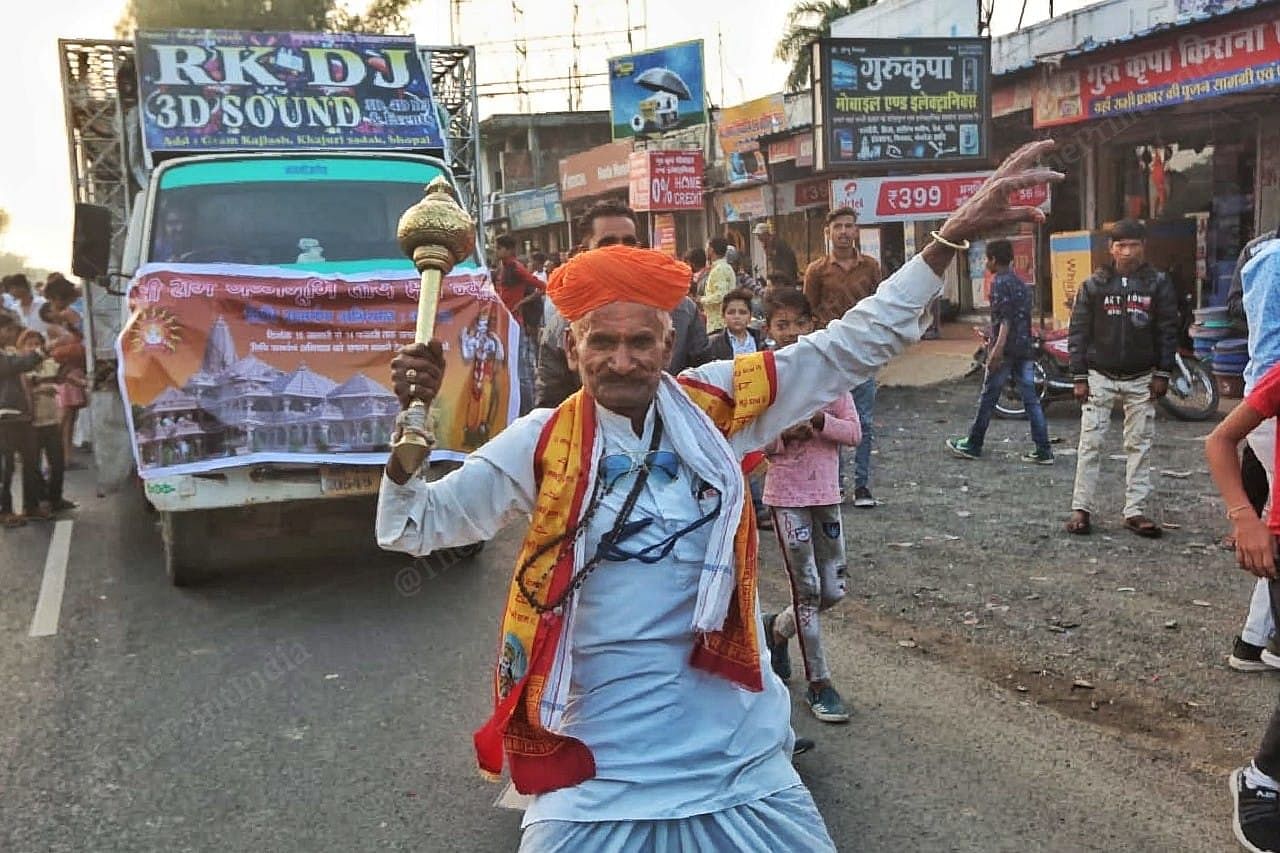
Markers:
point(436, 233)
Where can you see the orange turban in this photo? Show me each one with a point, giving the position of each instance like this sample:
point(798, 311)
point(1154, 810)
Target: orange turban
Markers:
point(617, 273)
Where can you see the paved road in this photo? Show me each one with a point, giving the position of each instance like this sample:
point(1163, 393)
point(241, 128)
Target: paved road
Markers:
point(329, 707)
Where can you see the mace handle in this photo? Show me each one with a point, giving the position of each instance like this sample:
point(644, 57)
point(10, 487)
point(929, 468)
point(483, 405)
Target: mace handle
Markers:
point(417, 438)
point(428, 306)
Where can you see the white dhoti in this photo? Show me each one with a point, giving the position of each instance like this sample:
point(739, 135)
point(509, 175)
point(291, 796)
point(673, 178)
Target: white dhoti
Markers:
point(787, 820)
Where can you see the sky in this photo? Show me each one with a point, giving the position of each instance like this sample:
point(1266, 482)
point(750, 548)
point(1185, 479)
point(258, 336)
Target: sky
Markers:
point(35, 183)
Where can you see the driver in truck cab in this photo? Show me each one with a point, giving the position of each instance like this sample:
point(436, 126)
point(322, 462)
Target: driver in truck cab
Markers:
point(174, 239)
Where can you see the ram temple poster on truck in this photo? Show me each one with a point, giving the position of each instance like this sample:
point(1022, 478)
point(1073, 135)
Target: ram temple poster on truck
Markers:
point(223, 366)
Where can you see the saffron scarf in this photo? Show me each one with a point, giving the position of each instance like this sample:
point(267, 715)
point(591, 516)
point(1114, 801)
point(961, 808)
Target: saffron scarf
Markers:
point(532, 673)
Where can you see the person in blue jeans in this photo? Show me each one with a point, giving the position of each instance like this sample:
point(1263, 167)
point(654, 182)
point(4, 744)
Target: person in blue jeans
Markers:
point(864, 403)
point(1009, 355)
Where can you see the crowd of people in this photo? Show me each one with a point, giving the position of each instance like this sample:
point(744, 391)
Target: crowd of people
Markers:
point(637, 695)
point(594, 664)
point(1123, 336)
point(43, 387)
point(720, 286)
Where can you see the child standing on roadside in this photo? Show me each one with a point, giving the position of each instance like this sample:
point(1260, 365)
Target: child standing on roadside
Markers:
point(17, 438)
point(803, 489)
point(46, 419)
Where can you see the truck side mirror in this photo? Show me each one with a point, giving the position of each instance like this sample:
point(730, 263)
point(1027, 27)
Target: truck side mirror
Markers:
point(91, 241)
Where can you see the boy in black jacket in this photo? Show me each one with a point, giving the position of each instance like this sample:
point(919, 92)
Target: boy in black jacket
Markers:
point(1124, 335)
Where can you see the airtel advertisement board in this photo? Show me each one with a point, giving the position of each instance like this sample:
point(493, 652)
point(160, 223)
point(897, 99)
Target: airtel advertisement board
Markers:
point(912, 198)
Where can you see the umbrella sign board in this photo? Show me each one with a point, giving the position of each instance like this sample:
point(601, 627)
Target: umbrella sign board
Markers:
point(658, 91)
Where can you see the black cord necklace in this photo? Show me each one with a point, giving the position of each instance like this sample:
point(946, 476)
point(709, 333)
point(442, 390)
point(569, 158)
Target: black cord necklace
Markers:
point(570, 538)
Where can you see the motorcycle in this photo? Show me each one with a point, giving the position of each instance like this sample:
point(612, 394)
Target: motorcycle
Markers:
point(1193, 395)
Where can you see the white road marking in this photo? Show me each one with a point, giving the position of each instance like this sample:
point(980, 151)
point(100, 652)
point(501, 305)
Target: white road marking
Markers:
point(49, 605)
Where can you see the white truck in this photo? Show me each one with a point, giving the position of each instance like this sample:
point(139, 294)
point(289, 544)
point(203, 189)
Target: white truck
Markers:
point(152, 186)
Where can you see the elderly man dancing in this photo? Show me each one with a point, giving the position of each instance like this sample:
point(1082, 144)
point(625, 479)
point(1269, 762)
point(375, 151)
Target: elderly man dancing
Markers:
point(632, 693)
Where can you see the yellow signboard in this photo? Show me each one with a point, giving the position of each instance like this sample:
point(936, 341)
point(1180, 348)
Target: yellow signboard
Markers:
point(1073, 256)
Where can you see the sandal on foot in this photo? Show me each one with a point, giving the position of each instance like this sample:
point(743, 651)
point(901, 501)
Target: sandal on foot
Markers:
point(1143, 526)
point(1079, 523)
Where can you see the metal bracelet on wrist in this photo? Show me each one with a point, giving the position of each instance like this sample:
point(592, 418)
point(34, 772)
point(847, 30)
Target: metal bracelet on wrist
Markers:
point(402, 427)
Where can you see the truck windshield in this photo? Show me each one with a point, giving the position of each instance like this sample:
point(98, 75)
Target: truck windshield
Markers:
point(316, 213)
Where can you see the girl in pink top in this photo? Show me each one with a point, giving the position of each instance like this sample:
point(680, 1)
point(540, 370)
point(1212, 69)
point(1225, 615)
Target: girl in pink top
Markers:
point(802, 487)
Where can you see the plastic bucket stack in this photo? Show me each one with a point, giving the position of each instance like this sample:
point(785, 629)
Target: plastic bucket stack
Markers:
point(1211, 326)
point(1230, 355)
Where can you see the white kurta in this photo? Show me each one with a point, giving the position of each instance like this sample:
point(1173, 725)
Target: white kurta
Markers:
point(669, 741)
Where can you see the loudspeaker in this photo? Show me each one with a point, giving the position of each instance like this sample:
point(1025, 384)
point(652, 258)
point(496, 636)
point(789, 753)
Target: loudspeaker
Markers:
point(91, 242)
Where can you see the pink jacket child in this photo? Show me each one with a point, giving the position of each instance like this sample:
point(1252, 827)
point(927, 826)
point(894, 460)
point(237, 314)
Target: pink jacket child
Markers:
point(806, 472)
point(802, 487)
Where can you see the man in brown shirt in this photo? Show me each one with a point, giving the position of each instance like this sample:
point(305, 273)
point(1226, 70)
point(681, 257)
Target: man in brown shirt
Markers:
point(834, 284)
point(837, 282)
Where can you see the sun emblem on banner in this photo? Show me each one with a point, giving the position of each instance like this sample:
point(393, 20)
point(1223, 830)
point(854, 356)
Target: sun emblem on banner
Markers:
point(156, 330)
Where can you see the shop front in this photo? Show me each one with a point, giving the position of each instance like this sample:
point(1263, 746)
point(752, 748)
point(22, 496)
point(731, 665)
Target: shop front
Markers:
point(800, 197)
point(739, 211)
point(800, 215)
point(536, 219)
point(593, 175)
point(1181, 131)
point(665, 189)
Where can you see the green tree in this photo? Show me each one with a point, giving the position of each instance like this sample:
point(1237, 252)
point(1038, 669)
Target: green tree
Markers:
point(806, 23)
point(312, 15)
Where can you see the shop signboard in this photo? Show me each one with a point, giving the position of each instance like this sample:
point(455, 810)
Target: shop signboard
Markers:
point(1191, 64)
point(1012, 98)
point(798, 148)
point(534, 208)
point(596, 171)
point(812, 193)
point(657, 92)
point(744, 205)
point(784, 149)
point(664, 232)
point(798, 196)
point(893, 102)
point(910, 198)
point(223, 90)
point(1073, 256)
point(739, 127)
point(666, 180)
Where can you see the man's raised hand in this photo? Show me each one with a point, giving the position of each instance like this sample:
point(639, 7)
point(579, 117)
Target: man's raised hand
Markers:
point(991, 207)
point(416, 373)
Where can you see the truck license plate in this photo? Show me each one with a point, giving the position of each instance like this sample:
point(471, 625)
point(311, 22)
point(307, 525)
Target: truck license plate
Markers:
point(340, 480)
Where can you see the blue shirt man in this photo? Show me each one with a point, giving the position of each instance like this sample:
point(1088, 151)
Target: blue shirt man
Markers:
point(1011, 309)
point(1009, 355)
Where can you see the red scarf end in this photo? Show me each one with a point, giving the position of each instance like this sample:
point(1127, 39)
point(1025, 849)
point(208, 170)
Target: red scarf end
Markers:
point(488, 744)
point(743, 673)
point(567, 764)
